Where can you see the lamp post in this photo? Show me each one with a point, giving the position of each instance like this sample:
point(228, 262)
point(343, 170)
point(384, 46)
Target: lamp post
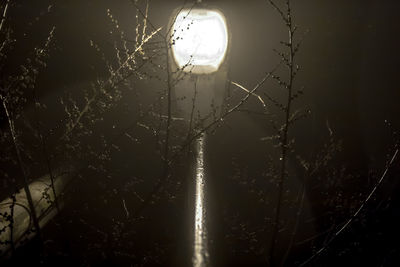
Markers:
point(199, 45)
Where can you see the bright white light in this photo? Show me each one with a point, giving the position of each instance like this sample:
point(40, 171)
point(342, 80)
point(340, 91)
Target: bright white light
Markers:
point(200, 40)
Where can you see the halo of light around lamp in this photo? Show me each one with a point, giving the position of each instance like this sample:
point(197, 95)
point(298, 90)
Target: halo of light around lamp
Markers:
point(199, 40)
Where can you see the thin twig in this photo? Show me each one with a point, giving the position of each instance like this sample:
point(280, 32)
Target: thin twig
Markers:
point(3, 18)
point(285, 132)
point(278, 10)
point(125, 208)
point(354, 216)
point(169, 114)
point(296, 225)
point(247, 91)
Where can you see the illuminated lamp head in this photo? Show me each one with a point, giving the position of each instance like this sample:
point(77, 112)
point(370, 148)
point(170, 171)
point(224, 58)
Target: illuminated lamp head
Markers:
point(200, 40)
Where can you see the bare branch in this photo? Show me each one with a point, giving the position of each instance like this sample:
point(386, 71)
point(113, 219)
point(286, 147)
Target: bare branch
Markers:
point(247, 91)
point(3, 18)
point(278, 9)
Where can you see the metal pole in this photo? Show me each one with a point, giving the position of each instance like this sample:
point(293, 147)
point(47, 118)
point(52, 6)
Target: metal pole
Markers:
point(200, 249)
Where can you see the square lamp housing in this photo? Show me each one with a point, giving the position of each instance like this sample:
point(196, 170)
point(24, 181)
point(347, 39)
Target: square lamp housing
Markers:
point(199, 40)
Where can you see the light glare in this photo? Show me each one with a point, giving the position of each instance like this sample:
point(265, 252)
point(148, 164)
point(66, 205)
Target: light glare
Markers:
point(200, 40)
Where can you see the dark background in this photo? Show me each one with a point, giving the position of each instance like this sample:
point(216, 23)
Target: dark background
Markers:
point(350, 64)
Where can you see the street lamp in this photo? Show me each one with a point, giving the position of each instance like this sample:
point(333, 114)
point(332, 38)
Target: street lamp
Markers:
point(199, 45)
point(201, 40)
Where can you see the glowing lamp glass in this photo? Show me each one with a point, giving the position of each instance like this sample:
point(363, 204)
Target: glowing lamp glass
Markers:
point(200, 40)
